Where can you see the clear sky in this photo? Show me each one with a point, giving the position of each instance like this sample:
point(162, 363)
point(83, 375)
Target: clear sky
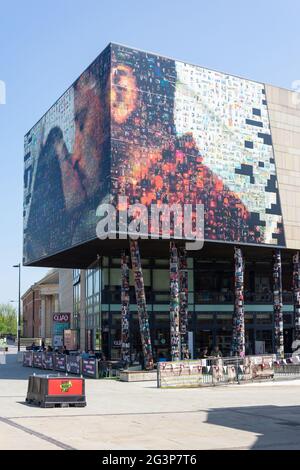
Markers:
point(45, 45)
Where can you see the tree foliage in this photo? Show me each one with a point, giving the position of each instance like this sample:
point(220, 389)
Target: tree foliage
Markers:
point(8, 319)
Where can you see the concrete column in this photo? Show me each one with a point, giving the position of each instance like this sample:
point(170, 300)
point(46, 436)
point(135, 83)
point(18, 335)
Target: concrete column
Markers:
point(43, 317)
point(125, 312)
point(277, 304)
point(183, 310)
point(141, 304)
point(49, 316)
point(56, 304)
point(174, 303)
point(238, 323)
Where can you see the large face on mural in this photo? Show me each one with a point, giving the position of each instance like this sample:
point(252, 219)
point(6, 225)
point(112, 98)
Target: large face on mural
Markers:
point(191, 135)
point(66, 171)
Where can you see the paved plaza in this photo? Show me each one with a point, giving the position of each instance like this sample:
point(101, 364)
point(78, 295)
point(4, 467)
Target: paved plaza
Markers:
point(140, 416)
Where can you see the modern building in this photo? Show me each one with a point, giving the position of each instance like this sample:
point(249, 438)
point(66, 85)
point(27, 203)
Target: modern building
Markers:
point(52, 294)
point(158, 132)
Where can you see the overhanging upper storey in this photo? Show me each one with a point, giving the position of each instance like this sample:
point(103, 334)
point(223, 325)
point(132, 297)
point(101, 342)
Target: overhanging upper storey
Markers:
point(160, 131)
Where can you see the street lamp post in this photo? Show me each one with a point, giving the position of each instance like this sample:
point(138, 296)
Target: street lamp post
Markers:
point(19, 306)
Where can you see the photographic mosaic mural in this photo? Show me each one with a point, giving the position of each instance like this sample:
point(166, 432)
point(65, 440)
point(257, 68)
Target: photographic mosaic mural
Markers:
point(66, 172)
point(185, 134)
point(158, 131)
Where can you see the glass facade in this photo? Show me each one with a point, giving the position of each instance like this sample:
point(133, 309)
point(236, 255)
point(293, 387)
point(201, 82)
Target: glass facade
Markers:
point(76, 299)
point(93, 308)
point(210, 305)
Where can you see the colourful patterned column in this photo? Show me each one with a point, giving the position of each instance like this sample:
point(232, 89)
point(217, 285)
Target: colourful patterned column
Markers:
point(277, 304)
point(183, 309)
point(141, 304)
point(296, 294)
point(174, 303)
point(238, 326)
point(125, 312)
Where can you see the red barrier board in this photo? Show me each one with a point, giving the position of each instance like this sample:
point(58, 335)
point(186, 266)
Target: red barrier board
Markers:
point(65, 386)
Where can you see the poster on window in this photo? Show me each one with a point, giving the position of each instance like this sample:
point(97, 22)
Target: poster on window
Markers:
point(71, 339)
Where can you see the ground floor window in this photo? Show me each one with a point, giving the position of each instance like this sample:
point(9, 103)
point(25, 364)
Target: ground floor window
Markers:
point(206, 330)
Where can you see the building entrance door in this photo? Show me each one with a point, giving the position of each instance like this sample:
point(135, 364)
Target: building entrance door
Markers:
point(161, 336)
point(288, 339)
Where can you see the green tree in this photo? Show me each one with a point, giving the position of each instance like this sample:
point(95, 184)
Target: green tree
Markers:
point(8, 319)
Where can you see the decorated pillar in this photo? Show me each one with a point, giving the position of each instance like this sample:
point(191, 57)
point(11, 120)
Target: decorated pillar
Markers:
point(174, 303)
point(125, 312)
point(296, 294)
point(238, 326)
point(141, 303)
point(277, 304)
point(183, 309)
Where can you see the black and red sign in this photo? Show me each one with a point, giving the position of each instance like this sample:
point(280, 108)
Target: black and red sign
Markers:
point(90, 367)
point(60, 362)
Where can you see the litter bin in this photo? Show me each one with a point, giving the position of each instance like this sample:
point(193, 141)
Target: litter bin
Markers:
point(49, 391)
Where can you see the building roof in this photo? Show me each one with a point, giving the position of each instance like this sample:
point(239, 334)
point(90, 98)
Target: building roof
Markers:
point(52, 278)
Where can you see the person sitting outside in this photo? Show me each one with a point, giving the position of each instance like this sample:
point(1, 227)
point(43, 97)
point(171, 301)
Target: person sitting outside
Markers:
point(98, 355)
point(103, 367)
point(204, 354)
point(216, 352)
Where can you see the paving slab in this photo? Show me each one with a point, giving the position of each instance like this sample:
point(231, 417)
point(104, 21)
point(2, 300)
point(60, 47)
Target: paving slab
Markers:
point(137, 415)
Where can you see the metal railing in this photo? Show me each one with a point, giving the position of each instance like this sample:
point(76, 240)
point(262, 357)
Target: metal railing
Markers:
point(214, 371)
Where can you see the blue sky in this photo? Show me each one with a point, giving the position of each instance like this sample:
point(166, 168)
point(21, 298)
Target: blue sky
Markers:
point(45, 45)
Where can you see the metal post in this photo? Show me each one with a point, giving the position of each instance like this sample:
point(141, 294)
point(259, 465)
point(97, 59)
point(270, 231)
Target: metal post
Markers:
point(125, 313)
point(174, 303)
point(19, 308)
point(277, 304)
point(141, 304)
point(183, 309)
point(19, 311)
point(296, 294)
point(238, 324)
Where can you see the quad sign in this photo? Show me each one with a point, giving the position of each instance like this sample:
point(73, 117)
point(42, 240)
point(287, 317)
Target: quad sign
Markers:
point(61, 322)
point(61, 317)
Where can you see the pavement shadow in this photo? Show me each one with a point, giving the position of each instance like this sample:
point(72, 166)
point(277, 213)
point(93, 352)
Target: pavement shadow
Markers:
point(277, 427)
point(14, 370)
point(25, 403)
